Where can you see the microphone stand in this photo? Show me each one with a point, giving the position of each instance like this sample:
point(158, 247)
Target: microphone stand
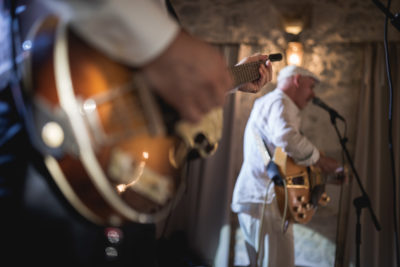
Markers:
point(360, 202)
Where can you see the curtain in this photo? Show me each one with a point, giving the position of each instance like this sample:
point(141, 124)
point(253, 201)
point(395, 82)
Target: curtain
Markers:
point(372, 162)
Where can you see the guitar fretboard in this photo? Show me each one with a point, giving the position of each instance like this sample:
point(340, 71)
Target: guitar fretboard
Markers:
point(245, 73)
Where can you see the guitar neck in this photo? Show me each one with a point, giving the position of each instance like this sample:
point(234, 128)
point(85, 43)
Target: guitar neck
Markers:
point(245, 73)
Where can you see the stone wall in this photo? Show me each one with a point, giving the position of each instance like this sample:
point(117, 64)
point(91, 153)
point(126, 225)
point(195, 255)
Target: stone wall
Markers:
point(260, 21)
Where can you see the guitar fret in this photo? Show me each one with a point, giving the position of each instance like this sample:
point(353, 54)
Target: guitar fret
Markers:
point(245, 73)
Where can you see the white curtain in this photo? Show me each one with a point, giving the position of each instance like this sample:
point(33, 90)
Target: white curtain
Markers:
point(372, 163)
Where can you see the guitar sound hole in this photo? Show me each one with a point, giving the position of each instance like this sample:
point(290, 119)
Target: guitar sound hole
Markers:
point(298, 180)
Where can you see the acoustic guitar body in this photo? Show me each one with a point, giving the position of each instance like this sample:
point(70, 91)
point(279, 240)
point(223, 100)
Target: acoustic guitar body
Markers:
point(304, 192)
point(102, 135)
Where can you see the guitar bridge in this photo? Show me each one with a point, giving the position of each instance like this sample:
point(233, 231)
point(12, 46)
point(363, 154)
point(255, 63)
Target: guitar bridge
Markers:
point(298, 180)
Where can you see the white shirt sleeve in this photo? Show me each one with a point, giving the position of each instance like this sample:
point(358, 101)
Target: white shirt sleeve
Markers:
point(131, 31)
point(282, 126)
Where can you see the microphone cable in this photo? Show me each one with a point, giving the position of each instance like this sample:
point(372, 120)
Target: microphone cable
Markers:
point(390, 129)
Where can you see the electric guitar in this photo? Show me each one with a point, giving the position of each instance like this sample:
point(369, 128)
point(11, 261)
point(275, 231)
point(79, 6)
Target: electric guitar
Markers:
point(304, 188)
point(115, 150)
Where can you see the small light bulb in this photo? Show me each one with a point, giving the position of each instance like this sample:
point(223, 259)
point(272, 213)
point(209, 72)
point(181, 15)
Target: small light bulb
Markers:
point(52, 134)
point(294, 59)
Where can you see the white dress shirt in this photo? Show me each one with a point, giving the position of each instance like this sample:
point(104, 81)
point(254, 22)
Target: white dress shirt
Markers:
point(275, 118)
point(131, 31)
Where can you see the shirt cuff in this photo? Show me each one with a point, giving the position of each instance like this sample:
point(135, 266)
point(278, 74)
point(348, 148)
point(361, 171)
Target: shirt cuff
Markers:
point(311, 160)
point(132, 32)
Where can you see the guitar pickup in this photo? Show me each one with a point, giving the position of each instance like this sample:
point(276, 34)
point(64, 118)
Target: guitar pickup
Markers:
point(300, 180)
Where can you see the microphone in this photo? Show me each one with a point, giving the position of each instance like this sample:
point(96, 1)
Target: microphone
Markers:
point(332, 112)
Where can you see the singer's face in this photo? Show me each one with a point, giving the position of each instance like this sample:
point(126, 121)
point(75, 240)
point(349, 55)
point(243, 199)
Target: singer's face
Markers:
point(305, 91)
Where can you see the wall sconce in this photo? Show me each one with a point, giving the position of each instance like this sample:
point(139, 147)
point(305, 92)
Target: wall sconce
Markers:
point(294, 53)
point(293, 26)
point(295, 19)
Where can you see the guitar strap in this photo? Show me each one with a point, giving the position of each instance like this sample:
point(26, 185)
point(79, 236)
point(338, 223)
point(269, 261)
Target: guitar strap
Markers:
point(271, 166)
point(171, 10)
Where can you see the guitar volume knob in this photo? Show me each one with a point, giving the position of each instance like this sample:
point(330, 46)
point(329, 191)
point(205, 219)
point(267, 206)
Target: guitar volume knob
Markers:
point(210, 148)
point(302, 216)
point(307, 206)
point(301, 198)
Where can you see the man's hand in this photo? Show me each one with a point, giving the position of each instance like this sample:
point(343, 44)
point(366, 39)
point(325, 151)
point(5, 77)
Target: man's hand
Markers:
point(265, 71)
point(339, 177)
point(327, 165)
point(191, 76)
point(335, 173)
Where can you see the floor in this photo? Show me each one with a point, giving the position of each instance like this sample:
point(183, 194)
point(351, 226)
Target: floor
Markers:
point(314, 243)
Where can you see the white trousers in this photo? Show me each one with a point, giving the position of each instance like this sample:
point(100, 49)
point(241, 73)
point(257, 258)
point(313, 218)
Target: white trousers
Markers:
point(277, 248)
